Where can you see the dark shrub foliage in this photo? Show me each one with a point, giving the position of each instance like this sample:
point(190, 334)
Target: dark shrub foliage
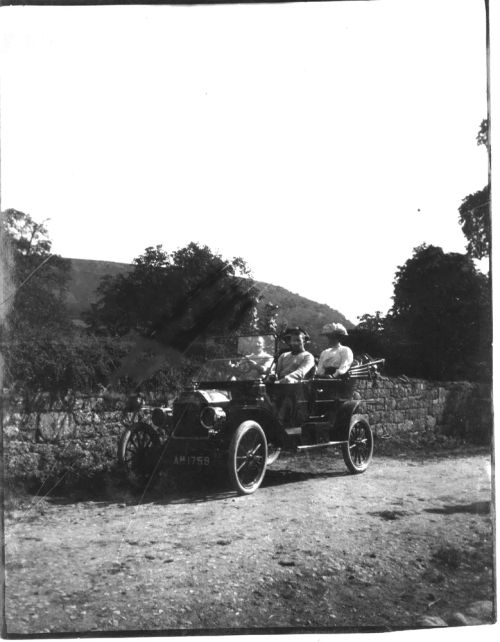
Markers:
point(440, 324)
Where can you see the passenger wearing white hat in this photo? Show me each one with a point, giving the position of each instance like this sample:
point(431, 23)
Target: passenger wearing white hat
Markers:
point(336, 359)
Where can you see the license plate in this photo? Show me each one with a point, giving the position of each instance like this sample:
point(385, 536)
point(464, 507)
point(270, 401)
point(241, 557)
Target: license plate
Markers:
point(192, 460)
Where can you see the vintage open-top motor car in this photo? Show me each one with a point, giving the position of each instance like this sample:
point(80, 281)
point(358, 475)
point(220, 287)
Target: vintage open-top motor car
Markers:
point(237, 415)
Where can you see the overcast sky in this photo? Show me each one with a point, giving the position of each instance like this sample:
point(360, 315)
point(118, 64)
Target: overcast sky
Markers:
point(321, 142)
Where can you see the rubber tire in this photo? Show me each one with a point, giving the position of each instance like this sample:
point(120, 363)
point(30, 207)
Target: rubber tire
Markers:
point(354, 464)
point(242, 432)
point(139, 478)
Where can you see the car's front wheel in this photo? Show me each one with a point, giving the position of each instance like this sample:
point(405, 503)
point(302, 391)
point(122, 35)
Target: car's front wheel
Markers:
point(358, 450)
point(247, 458)
point(138, 453)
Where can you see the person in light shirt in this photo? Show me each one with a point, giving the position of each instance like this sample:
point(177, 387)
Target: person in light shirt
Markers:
point(259, 359)
point(336, 359)
point(294, 365)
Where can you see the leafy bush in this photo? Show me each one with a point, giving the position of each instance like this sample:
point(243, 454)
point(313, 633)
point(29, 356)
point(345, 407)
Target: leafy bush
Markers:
point(56, 364)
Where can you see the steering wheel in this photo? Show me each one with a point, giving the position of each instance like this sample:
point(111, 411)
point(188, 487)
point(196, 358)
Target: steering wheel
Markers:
point(245, 366)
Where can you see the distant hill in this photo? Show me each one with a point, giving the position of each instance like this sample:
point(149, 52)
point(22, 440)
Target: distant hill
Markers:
point(293, 308)
point(85, 278)
point(297, 310)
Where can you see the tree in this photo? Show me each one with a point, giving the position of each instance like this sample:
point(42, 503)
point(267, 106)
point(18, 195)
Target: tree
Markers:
point(373, 335)
point(36, 291)
point(372, 322)
point(475, 211)
point(475, 220)
point(483, 134)
point(441, 311)
point(175, 298)
point(268, 323)
point(39, 347)
point(170, 302)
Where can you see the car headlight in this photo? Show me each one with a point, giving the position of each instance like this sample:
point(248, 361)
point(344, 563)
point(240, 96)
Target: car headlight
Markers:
point(211, 416)
point(161, 417)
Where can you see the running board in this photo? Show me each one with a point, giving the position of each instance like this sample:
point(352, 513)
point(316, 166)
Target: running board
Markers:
point(328, 443)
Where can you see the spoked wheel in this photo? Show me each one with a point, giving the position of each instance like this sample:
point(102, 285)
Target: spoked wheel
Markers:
point(247, 458)
point(273, 452)
point(138, 452)
point(244, 366)
point(358, 451)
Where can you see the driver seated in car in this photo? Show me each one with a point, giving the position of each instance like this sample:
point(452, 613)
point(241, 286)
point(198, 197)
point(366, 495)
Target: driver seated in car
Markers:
point(336, 360)
point(293, 366)
point(259, 359)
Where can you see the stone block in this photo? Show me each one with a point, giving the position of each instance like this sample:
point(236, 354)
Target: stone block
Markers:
point(482, 610)
point(361, 409)
point(12, 418)
point(28, 424)
point(428, 621)
point(56, 426)
point(86, 417)
point(419, 423)
point(430, 422)
point(10, 431)
point(457, 619)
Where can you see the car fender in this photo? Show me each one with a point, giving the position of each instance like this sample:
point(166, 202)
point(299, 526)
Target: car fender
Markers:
point(343, 418)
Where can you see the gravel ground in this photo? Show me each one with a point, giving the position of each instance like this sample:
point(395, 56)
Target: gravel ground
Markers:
point(315, 549)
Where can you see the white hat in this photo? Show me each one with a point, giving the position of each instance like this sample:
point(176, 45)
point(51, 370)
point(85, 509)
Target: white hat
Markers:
point(333, 328)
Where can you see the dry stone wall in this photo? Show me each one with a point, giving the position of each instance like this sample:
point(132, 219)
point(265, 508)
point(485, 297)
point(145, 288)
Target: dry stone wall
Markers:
point(64, 442)
point(398, 405)
point(76, 439)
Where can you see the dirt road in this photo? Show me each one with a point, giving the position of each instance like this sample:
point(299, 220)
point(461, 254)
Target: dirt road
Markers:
point(314, 548)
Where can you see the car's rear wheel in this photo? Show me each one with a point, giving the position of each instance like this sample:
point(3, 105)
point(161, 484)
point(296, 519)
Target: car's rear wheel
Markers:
point(247, 458)
point(138, 453)
point(358, 450)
